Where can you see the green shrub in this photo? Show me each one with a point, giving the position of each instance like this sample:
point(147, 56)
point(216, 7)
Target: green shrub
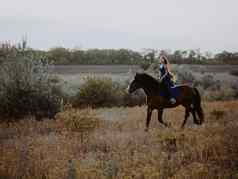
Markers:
point(27, 88)
point(102, 92)
point(97, 92)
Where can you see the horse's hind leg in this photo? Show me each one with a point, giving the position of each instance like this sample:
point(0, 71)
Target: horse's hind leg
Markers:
point(194, 117)
point(186, 117)
point(149, 112)
point(160, 117)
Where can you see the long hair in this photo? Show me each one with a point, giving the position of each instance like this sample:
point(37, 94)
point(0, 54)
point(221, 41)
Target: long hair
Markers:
point(166, 62)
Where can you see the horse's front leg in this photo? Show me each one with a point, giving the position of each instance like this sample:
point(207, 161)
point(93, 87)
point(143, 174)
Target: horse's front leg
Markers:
point(149, 113)
point(160, 117)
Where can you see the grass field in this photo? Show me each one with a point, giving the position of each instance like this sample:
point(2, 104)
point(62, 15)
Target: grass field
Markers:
point(120, 148)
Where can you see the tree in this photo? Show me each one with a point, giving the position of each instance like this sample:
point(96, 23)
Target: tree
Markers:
point(59, 55)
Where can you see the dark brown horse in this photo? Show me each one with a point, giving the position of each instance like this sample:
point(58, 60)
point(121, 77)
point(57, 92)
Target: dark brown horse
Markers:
point(187, 96)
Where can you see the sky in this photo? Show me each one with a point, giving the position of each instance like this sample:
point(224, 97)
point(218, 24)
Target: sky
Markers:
point(209, 25)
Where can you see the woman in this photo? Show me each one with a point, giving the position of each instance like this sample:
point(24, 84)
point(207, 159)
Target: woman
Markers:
point(166, 77)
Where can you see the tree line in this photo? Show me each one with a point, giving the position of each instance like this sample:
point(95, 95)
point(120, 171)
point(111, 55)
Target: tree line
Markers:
point(64, 56)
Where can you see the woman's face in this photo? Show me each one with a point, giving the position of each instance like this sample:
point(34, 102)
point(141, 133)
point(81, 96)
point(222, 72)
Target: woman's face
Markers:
point(162, 61)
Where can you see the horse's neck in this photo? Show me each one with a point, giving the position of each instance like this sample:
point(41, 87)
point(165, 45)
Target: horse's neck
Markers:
point(149, 91)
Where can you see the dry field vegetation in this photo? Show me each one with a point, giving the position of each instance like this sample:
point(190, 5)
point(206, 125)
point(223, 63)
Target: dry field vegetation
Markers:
point(81, 144)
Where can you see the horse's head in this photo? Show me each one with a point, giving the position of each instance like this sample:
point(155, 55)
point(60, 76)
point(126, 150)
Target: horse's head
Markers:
point(146, 82)
point(135, 84)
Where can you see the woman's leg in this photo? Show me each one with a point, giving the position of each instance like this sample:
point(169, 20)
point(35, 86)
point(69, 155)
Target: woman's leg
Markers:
point(171, 97)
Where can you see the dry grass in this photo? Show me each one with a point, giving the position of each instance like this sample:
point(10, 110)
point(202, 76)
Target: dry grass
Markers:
point(120, 148)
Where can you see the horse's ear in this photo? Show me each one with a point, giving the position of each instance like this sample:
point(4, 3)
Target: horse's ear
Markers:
point(137, 74)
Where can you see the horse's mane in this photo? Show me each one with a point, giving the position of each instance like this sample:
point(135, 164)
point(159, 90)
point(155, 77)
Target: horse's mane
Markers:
point(148, 80)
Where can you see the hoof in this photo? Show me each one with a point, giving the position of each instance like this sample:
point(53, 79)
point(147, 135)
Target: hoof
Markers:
point(146, 129)
point(167, 125)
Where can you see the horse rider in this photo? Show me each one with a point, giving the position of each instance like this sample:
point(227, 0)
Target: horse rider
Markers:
point(166, 77)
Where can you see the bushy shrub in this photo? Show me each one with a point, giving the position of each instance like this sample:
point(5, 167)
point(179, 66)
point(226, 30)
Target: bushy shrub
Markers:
point(215, 90)
point(183, 74)
point(102, 92)
point(97, 92)
point(224, 93)
point(234, 72)
point(79, 120)
point(208, 81)
point(27, 88)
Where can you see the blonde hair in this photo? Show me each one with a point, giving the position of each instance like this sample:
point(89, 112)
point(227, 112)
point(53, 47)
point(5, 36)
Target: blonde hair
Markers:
point(166, 62)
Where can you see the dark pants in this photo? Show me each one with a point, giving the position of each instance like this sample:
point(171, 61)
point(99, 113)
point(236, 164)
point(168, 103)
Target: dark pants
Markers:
point(168, 84)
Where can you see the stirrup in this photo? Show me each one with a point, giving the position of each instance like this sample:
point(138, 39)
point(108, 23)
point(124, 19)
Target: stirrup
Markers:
point(172, 100)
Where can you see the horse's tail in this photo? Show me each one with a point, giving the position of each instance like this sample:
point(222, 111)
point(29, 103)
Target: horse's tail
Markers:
point(197, 105)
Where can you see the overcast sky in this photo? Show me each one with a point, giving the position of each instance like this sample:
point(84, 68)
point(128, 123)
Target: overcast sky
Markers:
point(164, 24)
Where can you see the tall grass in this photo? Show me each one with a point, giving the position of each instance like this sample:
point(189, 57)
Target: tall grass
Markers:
point(121, 149)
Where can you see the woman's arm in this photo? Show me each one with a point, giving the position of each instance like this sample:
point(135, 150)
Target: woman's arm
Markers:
point(166, 72)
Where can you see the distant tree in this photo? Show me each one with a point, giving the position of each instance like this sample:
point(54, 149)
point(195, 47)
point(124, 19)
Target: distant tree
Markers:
point(150, 55)
point(63, 56)
point(191, 55)
point(77, 57)
point(224, 57)
point(177, 57)
point(59, 55)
